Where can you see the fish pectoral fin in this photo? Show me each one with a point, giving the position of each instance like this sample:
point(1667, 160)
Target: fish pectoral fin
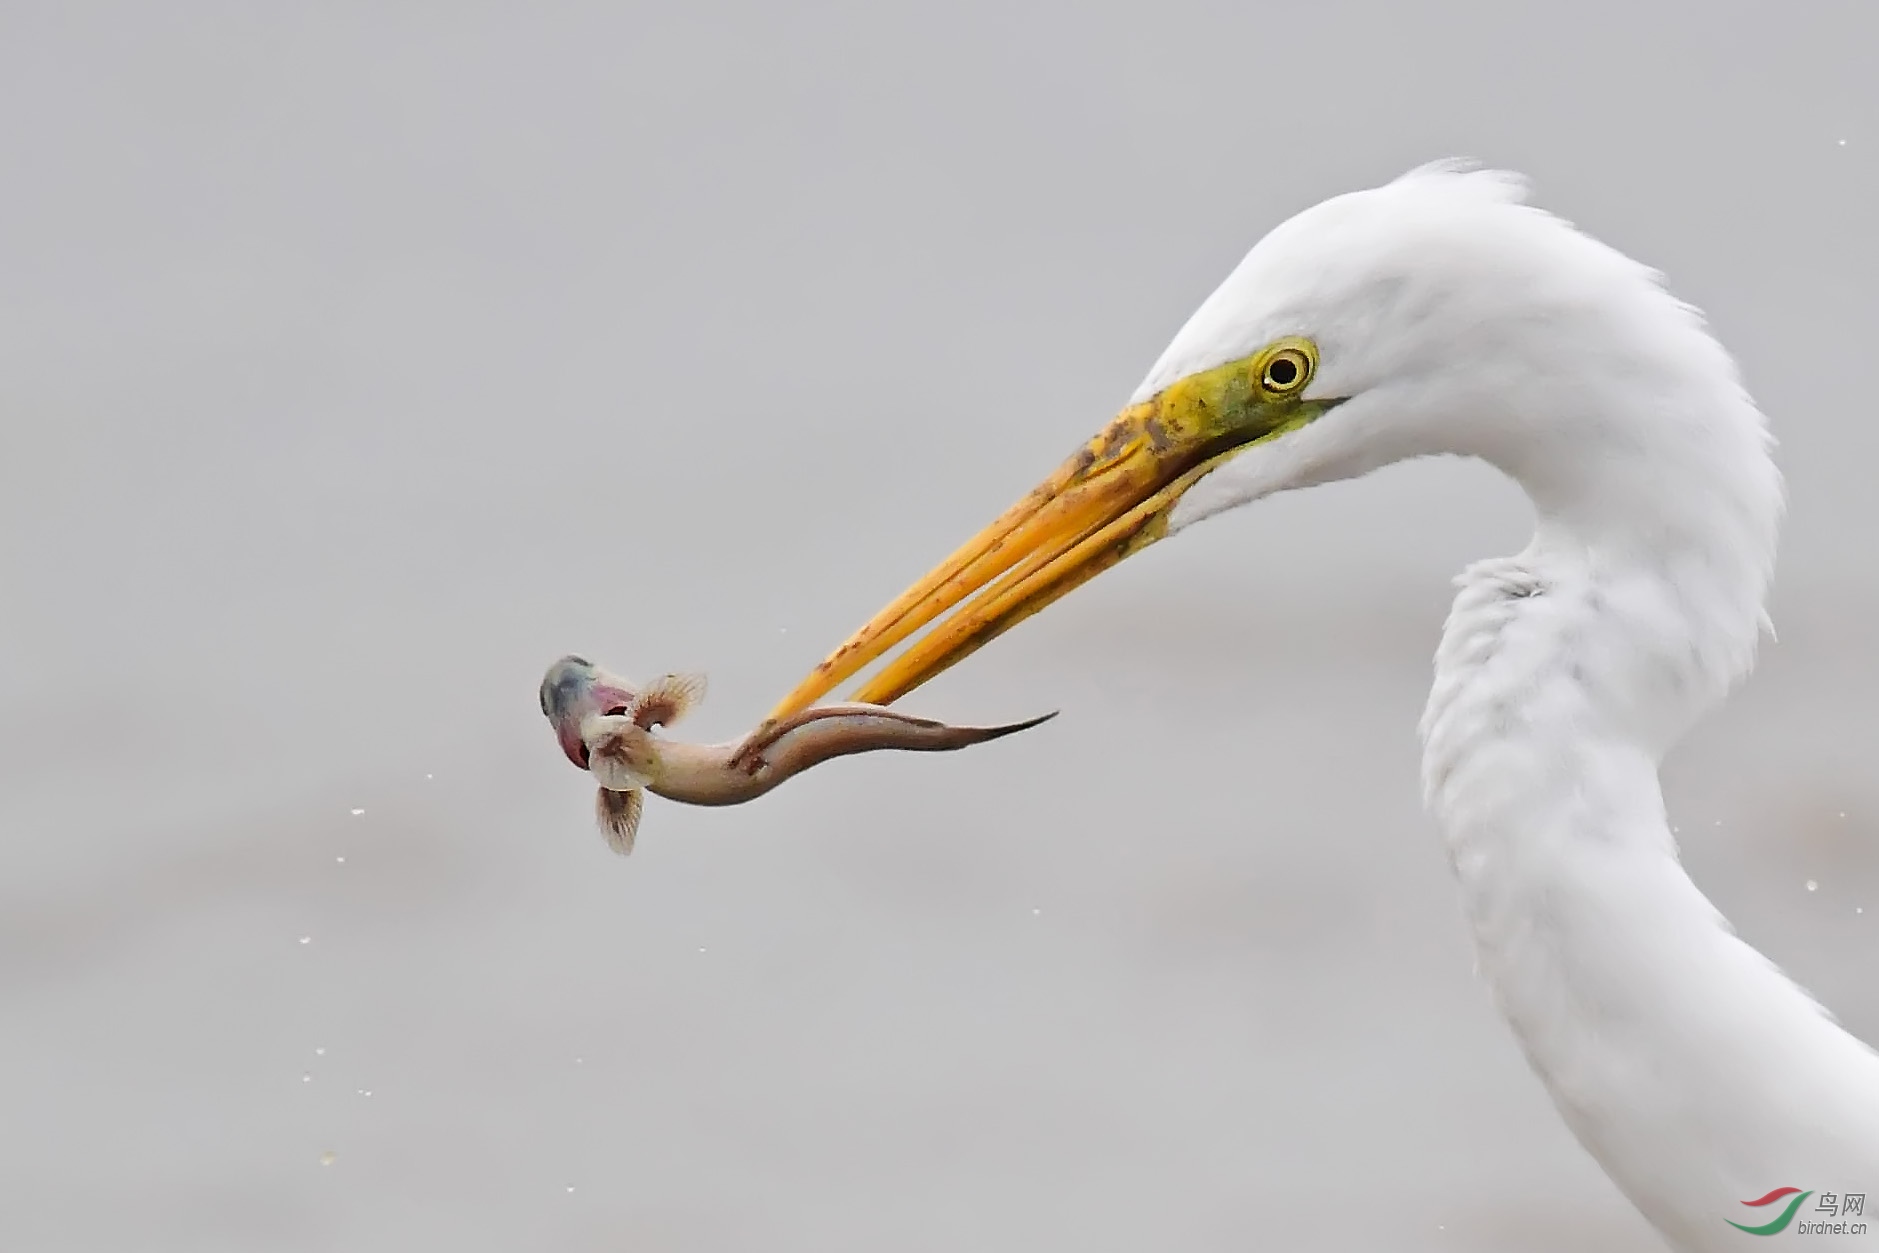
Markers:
point(618, 813)
point(667, 699)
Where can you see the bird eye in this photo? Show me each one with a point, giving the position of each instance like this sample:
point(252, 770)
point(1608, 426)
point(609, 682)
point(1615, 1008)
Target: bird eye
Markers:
point(1286, 369)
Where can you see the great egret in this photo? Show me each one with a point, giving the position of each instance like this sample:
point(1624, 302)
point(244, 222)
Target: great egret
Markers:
point(1440, 314)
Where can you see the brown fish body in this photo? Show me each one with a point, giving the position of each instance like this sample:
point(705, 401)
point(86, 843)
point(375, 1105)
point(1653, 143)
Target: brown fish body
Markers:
point(730, 774)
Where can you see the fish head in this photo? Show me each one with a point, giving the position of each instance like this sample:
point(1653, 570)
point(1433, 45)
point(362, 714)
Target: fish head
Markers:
point(575, 691)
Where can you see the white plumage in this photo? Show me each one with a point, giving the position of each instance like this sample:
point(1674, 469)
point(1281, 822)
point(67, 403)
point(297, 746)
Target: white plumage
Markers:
point(1442, 316)
point(1457, 320)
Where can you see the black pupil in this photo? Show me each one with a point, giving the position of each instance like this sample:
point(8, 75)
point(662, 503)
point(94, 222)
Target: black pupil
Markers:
point(1283, 372)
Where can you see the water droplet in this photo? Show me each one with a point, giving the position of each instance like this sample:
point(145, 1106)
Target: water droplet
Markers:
point(1843, 143)
point(306, 939)
point(579, 1060)
point(701, 948)
point(319, 1052)
point(1719, 822)
point(328, 1158)
point(365, 1091)
point(1843, 813)
point(570, 1189)
point(1037, 913)
point(1813, 886)
point(340, 860)
point(307, 1077)
point(358, 813)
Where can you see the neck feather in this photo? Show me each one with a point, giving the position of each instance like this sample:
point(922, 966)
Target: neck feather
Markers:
point(1695, 1072)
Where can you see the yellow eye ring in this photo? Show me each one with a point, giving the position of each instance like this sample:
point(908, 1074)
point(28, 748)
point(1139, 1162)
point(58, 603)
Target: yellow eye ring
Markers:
point(1286, 367)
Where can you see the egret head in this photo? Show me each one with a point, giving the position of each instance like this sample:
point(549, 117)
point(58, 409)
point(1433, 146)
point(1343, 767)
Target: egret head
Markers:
point(1438, 314)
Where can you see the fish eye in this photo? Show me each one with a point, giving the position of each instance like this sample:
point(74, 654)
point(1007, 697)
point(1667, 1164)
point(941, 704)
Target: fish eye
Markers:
point(1287, 368)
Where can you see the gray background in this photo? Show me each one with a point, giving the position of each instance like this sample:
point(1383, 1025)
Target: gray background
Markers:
point(357, 360)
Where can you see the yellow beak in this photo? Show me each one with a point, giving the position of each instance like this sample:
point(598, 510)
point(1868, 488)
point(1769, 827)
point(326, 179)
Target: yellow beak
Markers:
point(1111, 499)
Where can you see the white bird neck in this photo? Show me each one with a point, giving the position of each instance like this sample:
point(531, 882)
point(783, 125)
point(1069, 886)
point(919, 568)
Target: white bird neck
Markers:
point(1694, 1071)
